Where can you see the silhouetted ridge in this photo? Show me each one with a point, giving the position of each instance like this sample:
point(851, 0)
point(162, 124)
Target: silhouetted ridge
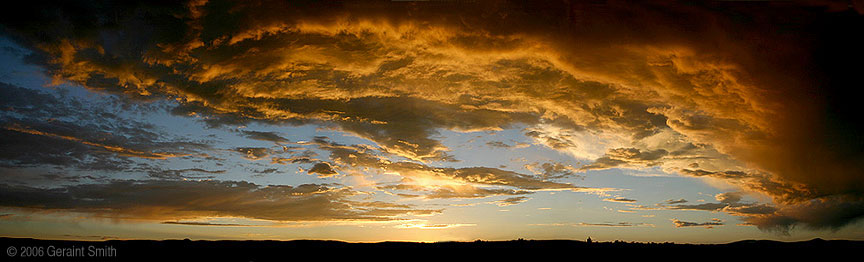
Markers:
point(250, 250)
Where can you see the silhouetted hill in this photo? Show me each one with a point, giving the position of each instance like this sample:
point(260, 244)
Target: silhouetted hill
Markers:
point(255, 250)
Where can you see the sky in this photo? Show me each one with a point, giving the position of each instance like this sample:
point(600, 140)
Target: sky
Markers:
point(366, 121)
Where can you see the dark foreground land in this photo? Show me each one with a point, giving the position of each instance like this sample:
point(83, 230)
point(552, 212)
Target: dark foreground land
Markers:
point(173, 250)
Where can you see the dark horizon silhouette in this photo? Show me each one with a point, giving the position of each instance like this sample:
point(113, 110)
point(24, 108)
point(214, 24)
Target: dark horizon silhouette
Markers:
point(256, 250)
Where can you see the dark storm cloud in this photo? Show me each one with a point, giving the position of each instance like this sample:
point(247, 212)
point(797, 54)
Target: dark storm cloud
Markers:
point(832, 213)
point(165, 200)
point(730, 202)
point(764, 83)
point(750, 210)
point(819, 213)
point(771, 185)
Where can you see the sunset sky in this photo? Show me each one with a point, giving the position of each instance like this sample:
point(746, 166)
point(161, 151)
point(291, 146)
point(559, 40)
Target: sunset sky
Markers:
point(699, 122)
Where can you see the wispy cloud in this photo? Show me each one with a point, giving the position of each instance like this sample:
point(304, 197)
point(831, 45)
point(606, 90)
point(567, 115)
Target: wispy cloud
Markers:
point(711, 224)
point(166, 200)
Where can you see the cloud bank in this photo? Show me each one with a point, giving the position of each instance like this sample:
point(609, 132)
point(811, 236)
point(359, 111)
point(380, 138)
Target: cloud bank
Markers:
point(727, 92)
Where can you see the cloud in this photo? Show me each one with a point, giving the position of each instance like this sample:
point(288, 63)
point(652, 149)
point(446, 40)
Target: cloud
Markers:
point(266, 171)
point(497, 144)
point(552, 170)
point(467, 182)
point(254, 153)
point(729, 197)
point(832, 213)
point(442, 191)
point(711, 224)
point(511, 201)
point(202, 224)
point(750, 210)
point(702, 207)
point(619, 224)
point(431, 226)
point(594, 84)
point(43, 129)
point(180, 173)
point(494, 176)
point(177, 199)
point(500, 144)
point(626, 156)
point(619, 200)
point(322, 169)
point(781, 191)
point(676, 201)
point(730, 202)
point(265, 136)
point(443, 182)
point(122, 151)
point(302, 157)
